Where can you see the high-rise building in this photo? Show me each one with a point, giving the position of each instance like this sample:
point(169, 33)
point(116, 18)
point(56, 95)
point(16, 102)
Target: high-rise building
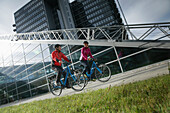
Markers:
point(43, 15)
point(31, 17)
point(95, 13)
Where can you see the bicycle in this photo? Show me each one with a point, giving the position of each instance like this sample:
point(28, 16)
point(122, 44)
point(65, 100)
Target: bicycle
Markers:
point(76, 83)
point(102, 72)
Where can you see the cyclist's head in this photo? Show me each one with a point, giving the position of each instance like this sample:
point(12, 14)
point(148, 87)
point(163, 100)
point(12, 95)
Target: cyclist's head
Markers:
point(85, 44)
point(58, 47)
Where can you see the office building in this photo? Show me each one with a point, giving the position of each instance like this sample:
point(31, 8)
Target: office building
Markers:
point(43, 15)
point(93, 13)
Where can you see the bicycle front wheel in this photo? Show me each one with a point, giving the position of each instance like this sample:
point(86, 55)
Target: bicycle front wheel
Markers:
point(77, 81)
point(103, 73)
point(55, 89)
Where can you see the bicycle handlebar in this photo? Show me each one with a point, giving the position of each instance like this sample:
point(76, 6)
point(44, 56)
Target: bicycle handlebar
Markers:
point(93, 59)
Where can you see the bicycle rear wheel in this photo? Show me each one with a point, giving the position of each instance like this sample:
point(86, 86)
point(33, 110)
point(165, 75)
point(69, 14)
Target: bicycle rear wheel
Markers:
point(55, 89)
point(77, 82)
point(103, 73)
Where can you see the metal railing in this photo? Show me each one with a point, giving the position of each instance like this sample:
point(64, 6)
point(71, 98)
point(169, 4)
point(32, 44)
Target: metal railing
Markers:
point(109, 33)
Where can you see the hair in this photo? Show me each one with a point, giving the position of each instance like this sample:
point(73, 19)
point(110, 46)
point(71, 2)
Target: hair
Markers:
point(57, 45)
point(85, 42)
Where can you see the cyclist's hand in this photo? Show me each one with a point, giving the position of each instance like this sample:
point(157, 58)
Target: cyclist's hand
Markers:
point(60, 62)
point(89, 58)
point(70, 61)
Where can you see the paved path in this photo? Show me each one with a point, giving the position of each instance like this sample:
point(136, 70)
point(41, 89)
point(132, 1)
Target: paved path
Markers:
point(139, 74)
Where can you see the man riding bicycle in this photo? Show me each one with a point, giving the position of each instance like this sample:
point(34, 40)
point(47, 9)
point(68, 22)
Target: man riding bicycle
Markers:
point(57, 56)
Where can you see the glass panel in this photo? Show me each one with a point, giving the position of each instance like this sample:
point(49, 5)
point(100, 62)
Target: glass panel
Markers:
point(47, 55)
point(19, 69)
point(11, 87)
point(145, 58)
point(21, 82)
point(4, 100)
point(34, 58)
point(21, 76)
point(39, 82)
point(12, 98)
point(34, 67)
point(18, 55)
point(157, 55)
point(12, 95)
point(40, 90)
point(96, 49)
point(23, 88)
point(65, 50)
point(51, 48)
point(24, 95)
point(48, 69)
point(76, 56)
point(74, 48)
point(36, 75)
point(126, 51)
point(115, 68)
point(8, 70)
point(106, 56)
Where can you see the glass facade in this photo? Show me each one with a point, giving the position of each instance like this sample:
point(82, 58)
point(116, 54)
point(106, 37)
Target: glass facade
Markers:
point(32, 17)
point(97, 13)
point(24, 71)
point(89, 13)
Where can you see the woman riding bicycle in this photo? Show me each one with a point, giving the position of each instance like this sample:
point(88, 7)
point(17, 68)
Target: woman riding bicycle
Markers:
point(85, 52)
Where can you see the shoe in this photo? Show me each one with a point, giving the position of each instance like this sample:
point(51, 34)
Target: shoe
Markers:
point(85, 76)
point(93, 79)
point(55, 83)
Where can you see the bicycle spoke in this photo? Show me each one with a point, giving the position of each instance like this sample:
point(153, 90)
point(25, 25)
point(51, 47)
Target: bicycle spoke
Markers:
point(103, 73)
point(78, 82)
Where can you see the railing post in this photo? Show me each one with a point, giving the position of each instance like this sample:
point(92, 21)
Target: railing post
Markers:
point(88, 34)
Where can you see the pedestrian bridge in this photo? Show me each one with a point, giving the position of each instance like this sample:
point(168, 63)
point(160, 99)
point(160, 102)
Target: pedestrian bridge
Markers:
point(135, 35)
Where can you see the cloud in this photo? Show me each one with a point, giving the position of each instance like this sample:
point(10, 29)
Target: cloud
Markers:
point(146, 11)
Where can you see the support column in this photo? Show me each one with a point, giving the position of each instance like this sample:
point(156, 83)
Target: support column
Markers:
point(44, 67)
point(26, 69)
point(118, 59)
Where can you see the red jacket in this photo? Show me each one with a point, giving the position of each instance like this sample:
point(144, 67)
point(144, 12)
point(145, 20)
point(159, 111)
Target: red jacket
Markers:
point(57, 56)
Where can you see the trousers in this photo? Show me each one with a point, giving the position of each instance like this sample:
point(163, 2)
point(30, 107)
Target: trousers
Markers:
point(86, 66)
point(60, 71)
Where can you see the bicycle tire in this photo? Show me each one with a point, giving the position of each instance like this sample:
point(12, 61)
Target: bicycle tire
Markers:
point(55, 90)
point(105, 75)
point(78, 83)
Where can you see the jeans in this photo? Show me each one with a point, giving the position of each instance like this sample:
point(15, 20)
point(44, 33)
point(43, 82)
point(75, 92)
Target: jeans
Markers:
point(86, 66)
point(59, 69)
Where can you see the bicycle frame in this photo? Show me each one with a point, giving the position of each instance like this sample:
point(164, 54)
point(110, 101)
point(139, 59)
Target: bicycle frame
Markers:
point(68, 71)
point(92, 69)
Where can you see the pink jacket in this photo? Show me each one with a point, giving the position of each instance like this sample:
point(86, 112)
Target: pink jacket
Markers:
point(85, 51)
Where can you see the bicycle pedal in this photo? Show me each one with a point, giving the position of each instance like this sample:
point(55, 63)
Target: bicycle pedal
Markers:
point(85, 76)
point(93, 80)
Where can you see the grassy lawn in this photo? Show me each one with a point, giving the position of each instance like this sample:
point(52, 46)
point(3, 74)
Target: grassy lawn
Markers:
point(149, 96)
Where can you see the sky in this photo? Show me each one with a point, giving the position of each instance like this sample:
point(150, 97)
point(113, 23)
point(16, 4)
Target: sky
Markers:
point(7, 10)
point(135, 11)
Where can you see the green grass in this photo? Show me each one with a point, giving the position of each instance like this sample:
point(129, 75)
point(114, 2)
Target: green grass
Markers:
point(149, 96)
